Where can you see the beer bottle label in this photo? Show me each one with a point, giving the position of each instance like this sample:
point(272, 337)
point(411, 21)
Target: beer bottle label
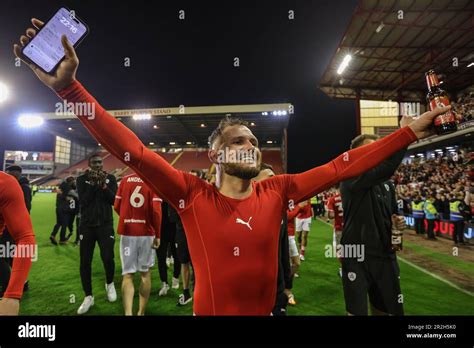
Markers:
point(448, 116)
point(397, 240)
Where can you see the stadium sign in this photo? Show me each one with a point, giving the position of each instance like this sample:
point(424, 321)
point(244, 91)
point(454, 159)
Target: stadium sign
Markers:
point(45, 190)
point(391, 108)
point(31, 162)
point(443, 228)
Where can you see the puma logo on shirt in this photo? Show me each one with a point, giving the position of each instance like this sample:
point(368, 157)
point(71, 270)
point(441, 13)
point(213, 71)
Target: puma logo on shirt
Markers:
point(240, 221)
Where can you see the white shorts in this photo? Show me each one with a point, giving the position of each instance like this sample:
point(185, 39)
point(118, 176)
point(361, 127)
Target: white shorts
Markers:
point(293, 247)
point(136, 254)
point(303, 224)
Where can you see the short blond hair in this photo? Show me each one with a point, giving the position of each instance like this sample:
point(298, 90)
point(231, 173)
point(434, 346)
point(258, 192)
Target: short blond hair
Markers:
point(227, 121)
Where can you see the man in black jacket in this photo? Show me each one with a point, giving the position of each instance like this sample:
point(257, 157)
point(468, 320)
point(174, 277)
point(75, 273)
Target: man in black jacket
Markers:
point(439, 204)
point(369, 264)
point(96, 190)
point(65, 205)
point(15, 171)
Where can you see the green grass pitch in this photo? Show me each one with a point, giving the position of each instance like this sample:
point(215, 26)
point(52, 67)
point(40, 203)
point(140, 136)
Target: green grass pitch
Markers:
point(55, 287)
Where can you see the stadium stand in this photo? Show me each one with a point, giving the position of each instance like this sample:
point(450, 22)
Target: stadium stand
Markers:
point(185, 160)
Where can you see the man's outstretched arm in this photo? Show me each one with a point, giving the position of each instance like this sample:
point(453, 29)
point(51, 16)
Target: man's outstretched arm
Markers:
point(357, 161)
point(120, 141)
point(378, 174)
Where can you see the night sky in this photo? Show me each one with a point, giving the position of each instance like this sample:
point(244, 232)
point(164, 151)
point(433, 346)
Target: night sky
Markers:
point(190, 62)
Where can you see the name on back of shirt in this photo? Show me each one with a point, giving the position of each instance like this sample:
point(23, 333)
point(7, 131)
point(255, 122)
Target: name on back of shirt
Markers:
point(134, 179)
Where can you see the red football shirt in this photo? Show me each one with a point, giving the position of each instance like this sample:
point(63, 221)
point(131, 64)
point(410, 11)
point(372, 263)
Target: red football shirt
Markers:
point(335, 205)
point(233, 242)
point(291, 215)
point(305, 212)
point(138, 207)
point(14, 215)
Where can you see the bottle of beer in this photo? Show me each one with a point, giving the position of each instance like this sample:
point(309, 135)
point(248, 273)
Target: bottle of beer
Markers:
point(397, 240)
point(436, 97)
point(397, 235)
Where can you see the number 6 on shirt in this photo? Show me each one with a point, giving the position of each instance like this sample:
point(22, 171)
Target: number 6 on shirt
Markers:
point(137, 195)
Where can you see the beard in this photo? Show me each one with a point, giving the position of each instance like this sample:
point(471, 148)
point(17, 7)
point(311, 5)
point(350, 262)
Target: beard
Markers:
point(240, 171)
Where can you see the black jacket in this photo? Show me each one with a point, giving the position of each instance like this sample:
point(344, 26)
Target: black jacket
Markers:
point(63, 199)
point(368, 202)
point(25, 187)
point(439, 206)
point(446, 211)
point(62, 204)
point(284, 268)
point(96, 203)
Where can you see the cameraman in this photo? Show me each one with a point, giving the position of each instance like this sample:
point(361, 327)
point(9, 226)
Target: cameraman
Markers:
point(96, 190)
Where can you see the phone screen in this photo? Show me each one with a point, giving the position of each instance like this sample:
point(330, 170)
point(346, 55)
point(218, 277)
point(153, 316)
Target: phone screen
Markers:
point(45, 49)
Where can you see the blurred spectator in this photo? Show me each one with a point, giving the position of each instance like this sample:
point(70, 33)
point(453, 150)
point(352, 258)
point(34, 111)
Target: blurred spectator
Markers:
point(464, 108)
point(431, 214)
point(459, 213)
point(418, 213)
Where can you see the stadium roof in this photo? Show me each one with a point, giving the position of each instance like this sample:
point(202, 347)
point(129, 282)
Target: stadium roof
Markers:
point(185, 126)
point(392, 44)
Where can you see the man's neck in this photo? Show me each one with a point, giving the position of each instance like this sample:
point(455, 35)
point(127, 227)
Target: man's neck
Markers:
point(234, 187)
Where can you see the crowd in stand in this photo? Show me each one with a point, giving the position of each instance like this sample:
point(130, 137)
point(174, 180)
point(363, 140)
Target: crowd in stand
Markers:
point(464, 107)
point(443, 178)
point(439, 176)
point(437, 189)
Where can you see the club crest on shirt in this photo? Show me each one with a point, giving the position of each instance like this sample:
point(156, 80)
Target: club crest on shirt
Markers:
point(387, 187)
point(352, 276)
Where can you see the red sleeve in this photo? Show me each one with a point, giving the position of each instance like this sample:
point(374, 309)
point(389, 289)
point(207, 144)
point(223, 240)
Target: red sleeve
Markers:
point(118, 197)
point(350, 164)
point(18, 222)
point(291, 214)
point(169, 183)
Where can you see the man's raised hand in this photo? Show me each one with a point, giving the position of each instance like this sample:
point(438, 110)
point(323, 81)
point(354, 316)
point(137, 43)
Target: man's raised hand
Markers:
point(423, 125)
point(64, 74)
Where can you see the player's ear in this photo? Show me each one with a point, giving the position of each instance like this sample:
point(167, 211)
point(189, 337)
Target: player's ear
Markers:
point(212, 154)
